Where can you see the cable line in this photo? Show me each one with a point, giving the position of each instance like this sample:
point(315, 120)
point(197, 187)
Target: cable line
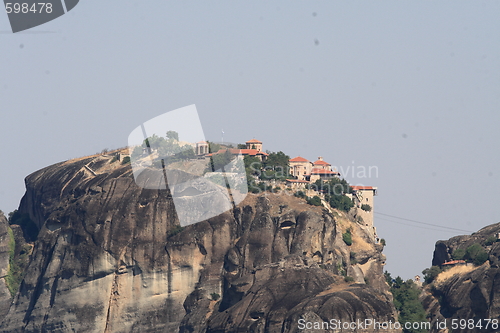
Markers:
point(430, 224)
point(416, 226)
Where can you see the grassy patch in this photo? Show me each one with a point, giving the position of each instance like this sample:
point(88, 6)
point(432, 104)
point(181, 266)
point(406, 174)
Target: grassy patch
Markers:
point(14, 274)
point(175, 230)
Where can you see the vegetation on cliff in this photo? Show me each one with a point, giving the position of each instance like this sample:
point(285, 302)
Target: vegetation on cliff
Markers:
point(19, 250)
point(406, 301)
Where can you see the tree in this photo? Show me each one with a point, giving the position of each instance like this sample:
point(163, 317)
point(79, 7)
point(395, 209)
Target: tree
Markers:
point(366, 208)
point(476, 254)
point(173, 135)
point(431, 273)
point(335, 190)
point(406, 302)
point(314, 201)
point(276, 166)
point(347, 237)
point(219, 161)
point(458, 254)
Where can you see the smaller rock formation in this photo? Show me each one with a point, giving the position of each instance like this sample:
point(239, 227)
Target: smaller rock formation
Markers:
point(466, 291)
point(5, 239)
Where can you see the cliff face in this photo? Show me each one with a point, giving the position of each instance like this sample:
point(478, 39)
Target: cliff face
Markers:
point(466, 291)
point(5, 297)
point(107, 259)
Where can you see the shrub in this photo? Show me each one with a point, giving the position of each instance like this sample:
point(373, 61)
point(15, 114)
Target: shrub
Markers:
point(406, 301)
point(490, 240)
point(366, 208)
point(114, 159)
point(215, 296)
point(382, 241)
point(347, 237)
point(15, 273)
point(314, 201)
point(175, 230)
point(300, 194)
point(348, 279)
point(341, 202)
point(458, 254)
point(480, 258)
point(431, 273)
point(476, 254)
point(126, 160)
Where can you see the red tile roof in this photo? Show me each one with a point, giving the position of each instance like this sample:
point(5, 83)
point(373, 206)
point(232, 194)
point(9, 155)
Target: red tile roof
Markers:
point(298, 159)
point(234, 151)
point(320, 162)
point(323, 172)
point(202, 142)
point(356, 188)
point(253, 141)
point(296, 181)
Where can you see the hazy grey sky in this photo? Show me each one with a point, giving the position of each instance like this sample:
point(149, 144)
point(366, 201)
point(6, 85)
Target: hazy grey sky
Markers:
point(412, 88)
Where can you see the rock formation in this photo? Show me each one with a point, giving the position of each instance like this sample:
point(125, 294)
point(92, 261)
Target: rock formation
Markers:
point(466, 292)
point(5, 240)
point(111, 257)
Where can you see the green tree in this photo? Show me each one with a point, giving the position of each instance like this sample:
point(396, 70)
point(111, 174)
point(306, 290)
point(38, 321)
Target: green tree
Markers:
point(173, 135)
point(431, 273)
point(335, 191)
point(366, 208)
point(314, 201)
point(476, 254)
point(276, 166)
point(219, 161)
point(407, 303)
point(490, 240)
point(253, 167)
point(347, 237)
point(458, 254)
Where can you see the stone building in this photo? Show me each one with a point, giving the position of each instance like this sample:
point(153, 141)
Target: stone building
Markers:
point(202, 148)
point(253, 148)
point(300, 167)
point(363, 195)
point(254, 144)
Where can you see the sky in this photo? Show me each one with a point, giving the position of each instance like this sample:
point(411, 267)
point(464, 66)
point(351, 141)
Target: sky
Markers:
point(409, 88)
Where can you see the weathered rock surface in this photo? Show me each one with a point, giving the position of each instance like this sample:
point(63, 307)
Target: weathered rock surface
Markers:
point(466, 292)
point(5, 297)
point(106, 260)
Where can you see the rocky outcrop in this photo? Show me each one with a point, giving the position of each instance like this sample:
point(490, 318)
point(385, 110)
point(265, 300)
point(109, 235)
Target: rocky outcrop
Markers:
point(466, 292)
point(111, 257)
point(5, 239)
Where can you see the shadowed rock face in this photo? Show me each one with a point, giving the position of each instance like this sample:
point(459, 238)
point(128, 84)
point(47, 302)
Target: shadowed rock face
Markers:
point(104, 261)
point(5, 297)
point(471, 293)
